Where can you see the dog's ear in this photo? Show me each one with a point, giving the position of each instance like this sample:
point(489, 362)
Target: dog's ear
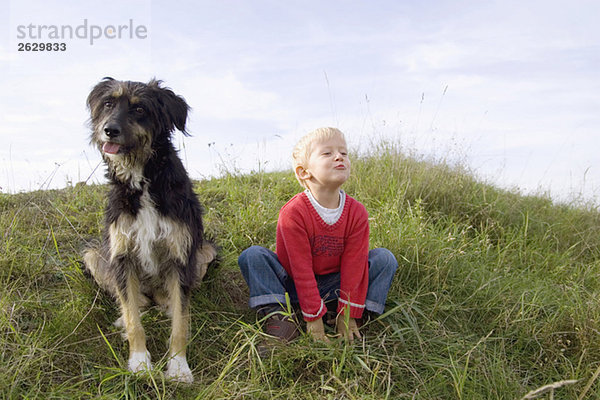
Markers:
point(173, 106)
point(98, 93)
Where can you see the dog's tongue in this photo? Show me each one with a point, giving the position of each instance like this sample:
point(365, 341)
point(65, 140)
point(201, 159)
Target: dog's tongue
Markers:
point(110, 148)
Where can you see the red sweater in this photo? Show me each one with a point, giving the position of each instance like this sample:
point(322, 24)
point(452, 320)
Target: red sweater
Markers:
point(307, 246)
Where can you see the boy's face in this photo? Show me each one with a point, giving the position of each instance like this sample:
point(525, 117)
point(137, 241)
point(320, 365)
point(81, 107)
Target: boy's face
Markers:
point(328, 164)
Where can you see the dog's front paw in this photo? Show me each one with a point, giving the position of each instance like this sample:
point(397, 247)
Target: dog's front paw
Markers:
point(179, 370)
point(139, 361)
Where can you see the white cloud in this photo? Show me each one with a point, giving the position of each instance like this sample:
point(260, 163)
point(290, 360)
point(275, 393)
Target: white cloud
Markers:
point(225, 97)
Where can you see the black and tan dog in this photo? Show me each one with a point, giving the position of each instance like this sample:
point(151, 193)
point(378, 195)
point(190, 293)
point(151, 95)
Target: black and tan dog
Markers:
point(153, 247)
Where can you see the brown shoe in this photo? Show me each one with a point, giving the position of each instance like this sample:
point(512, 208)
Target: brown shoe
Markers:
point(281, 327)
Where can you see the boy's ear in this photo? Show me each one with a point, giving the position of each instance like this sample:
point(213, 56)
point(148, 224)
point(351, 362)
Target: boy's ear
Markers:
point(302, 173)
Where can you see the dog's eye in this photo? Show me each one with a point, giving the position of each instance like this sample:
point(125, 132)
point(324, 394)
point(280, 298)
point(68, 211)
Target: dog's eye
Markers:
point(108, 104)
point(139, 111)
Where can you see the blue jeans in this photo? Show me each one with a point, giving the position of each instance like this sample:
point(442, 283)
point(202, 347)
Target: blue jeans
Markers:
point(268, 280)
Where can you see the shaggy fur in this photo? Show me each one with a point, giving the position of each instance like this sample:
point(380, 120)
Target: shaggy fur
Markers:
point(153, 247)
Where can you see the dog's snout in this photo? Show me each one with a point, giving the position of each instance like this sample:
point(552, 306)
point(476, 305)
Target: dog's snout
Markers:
point(112, 130)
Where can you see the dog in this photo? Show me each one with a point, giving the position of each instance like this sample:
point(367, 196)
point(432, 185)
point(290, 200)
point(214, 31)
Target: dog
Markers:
point(153, 247)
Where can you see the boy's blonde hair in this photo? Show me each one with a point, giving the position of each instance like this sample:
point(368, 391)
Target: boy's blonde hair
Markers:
point(304, 147)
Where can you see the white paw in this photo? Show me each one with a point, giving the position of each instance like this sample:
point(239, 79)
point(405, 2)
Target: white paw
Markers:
point(179, 370)
point(139, 362)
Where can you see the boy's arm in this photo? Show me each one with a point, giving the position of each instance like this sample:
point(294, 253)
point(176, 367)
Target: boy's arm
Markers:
point(354, 274)
point(317, 330)
point(347, 328)
point(293, 244)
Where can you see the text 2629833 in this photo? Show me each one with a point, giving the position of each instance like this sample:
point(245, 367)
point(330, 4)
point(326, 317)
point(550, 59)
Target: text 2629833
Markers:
point(42, 46)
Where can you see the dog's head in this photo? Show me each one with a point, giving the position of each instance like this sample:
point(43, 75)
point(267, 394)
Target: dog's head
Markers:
point(130, 119)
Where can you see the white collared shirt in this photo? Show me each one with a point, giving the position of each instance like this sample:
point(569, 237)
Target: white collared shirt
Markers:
point(329, 215)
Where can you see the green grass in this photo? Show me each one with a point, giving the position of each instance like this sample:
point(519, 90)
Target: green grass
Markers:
point(497, 295)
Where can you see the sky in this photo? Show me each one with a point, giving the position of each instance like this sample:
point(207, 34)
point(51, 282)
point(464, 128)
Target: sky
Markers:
point(510, 89)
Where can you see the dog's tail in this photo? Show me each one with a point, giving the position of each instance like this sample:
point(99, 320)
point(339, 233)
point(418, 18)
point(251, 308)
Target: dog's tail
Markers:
point(207, 258)
point(97, 266)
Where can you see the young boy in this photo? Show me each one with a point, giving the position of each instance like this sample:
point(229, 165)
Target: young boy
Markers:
point(322, 249)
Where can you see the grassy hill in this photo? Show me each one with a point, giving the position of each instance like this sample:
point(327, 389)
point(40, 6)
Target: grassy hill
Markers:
point(497, 295)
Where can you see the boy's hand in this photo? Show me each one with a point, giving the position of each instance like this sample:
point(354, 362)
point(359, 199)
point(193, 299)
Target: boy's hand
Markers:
point(348, 332)
point(316, 330)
